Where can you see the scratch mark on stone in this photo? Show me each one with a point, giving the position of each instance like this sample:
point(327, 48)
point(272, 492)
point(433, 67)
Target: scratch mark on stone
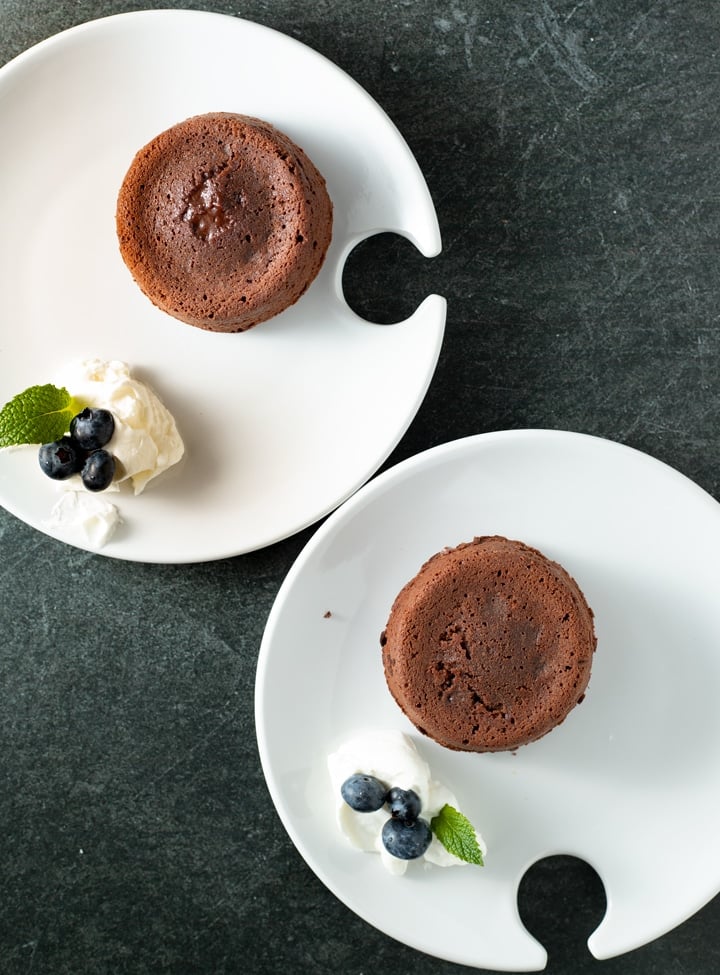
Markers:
point(531, 58)
point(468, 39)
point(578, 6)
point(28, 553)
point(34, 946)
point(468, 23)
point(565, 50)
point(638, 25)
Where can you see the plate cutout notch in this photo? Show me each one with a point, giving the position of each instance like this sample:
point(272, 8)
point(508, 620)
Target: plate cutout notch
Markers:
point(386, 278)
point(561, 901)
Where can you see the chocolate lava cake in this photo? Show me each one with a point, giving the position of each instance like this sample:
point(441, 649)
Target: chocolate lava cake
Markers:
point(489, 646)
point(223, 221)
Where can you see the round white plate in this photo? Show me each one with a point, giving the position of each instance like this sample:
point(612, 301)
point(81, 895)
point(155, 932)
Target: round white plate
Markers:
point(281, 423)
point(630, 782)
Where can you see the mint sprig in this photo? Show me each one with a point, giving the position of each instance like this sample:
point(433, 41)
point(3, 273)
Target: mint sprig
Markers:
point(457, 835)
point(40, 414)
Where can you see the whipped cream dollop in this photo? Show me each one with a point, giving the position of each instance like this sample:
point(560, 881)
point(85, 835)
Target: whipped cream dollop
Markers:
point(146, 441)
point(86, 516)
point(390, 756)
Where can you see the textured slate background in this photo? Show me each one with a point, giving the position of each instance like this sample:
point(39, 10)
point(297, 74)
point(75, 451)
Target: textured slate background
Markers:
point(571, 149)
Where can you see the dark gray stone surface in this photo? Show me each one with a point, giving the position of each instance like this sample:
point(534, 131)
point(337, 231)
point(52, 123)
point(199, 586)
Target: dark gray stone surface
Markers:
point(571, 149)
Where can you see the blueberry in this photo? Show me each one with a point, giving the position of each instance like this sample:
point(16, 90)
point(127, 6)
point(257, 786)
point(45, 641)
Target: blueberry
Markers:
point(406, 841)
point(364, 793)
point(61, 459)
point(98, 470)
point(92, 428)
point(404, 804)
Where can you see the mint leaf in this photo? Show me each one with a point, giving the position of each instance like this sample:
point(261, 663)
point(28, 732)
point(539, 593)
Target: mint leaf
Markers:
point(40, 414)
point(457, 835)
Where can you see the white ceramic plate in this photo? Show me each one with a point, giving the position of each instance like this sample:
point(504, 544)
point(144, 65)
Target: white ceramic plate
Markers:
point(630, 782)
point(282, 423)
